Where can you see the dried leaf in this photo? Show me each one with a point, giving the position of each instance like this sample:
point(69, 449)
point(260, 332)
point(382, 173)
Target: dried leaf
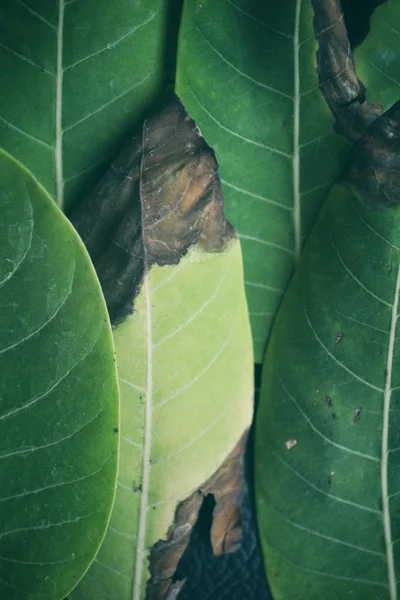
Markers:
point(161, 196)
point(226, 486)
point(374, 169)
point(184, 354)
point(343, 91)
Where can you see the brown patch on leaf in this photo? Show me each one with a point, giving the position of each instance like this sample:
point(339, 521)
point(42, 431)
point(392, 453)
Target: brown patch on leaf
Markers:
point(161, 196)
point(374, 165)
point(343, 92)
point(226, 486)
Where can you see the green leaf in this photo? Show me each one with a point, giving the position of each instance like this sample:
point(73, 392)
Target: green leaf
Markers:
point(75, 78)
point(184, 356)
point(327, 432)
point(58, 397)
point(251, 85)
point(377, 59)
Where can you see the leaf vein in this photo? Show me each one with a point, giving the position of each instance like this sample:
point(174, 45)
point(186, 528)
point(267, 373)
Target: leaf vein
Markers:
point(326, 537)
point(349, 271)
point(321, 491)
point(112, 45)
point(286, 35)
point(44, 324)
point(318, 432)
point(26, 59)
point(241, 73)
point(256, 196)
point(98, 110)
point(250, 238)
point(37, 399)
point(234, 133)
point(18, 264)
point(204, 371)
point(340, 364)
point(37, 15)
point(25, 134)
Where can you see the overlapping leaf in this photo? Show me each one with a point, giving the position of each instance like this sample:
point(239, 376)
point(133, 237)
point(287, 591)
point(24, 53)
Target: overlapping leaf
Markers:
point(155, 225)
point(58, 397)
point(75, 78)
point(252, 87)
point(327, 435)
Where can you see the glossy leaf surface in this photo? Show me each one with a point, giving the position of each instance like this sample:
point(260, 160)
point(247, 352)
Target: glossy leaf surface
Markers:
point(254, 94)
point(184, 356)
point(58, 397)
point(327, 434)
point(75, 78)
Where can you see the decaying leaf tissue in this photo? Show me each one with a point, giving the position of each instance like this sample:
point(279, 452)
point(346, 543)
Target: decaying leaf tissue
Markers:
point(155, 218)
point(161, 196)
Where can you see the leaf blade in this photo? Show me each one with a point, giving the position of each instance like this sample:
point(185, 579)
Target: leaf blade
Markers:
point(87, 95)
point(263, 112)
point(184, 409)
point(338, 329)
point(47, 508)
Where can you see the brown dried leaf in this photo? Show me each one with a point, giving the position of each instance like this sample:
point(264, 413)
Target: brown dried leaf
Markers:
point(226, 486)
point(344, 93)
point(374, 169)
point(161, 196)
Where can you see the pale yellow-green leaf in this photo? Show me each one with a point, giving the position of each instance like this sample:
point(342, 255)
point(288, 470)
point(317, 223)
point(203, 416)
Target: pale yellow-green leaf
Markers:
point(185, 366)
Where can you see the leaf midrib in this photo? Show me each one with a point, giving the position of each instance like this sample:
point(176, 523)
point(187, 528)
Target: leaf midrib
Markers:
point(58, 151)
point(144, 498)
point(385, 440)
point(296, 134)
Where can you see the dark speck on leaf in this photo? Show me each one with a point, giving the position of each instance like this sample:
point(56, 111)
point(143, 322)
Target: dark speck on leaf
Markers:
point(357, 415)
point(328, 400)
point(334, 416)
point(137, 489)
point(338, 338)
point(115, 429)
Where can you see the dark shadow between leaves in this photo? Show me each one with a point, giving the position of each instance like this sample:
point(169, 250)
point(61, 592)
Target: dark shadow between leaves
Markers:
point(357, 16)
point(235, 576)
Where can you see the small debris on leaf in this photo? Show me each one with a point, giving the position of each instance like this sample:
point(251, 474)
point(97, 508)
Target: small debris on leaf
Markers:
point(357, 415)
point(290, 444)
point(339, 338)
point(331, 474)
point(328, 400)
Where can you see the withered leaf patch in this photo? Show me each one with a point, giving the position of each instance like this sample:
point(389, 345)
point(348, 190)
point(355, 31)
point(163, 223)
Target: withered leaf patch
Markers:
point(374, 168)
point(343, 92)
point(226, 486)
point(160, 196)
